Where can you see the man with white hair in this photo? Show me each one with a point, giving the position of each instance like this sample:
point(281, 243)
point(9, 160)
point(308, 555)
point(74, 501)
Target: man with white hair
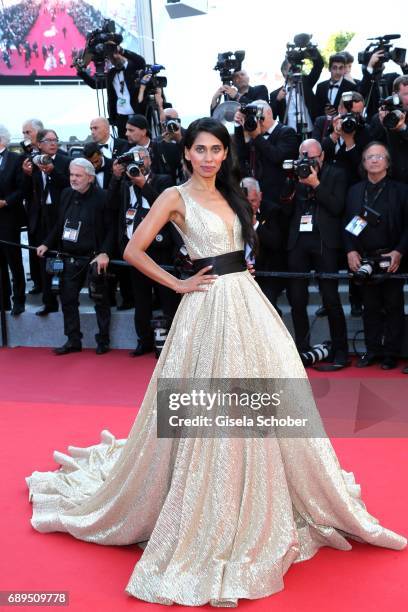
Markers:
point(85, 231)
point(11, 219)
point(30, 129)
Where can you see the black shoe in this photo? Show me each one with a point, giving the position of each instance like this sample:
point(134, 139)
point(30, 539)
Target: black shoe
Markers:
point(17, 309)
point(367, 360)
point(356, 310)
point(321, 312)
point(35, 290)
point(341, 359)
point(125, 306)
point(389, 363)
point(141, 349)
point(66, 348)
point(45, 311)
point(102, 348)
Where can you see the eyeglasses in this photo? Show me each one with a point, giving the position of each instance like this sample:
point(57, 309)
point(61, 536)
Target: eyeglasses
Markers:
point(50, 140)
point(375, 156)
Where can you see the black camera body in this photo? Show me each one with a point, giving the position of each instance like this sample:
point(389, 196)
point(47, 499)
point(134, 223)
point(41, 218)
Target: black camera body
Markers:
point(382, 43)
point(55, 267)
point(228, 63)
point(132, 161)
point(393, 105)
point(302, 48)
point(253, 114)
point(156, 81)
point(101, 44)
point(299, 168)
point(171, 125)
point(350, 121)
point(377, 264)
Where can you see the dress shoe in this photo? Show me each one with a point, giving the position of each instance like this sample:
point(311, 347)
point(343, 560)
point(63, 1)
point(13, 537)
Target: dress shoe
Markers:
point(125, 306)
point(17, 309)
point(35, 290)
point(102, 348)
point(341, 359)
point(367, 360)
point(141, 349)
point(45, 311)
point(66, 348)
point(389, 363)
point(356, 310)
point(321, 312)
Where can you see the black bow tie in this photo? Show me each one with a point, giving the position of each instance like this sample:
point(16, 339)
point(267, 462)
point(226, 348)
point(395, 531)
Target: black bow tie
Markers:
point(99, 171)
point(105, 146)
point(334, 85)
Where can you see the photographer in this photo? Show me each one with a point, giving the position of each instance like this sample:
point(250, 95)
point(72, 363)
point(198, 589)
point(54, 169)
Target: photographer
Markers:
point(316, 207)
point(271, 225)
point(120, 82)
point(328, 93)
point(390, 127)
point(134, 190)
point(263, 143)
point(46, 175)
point(84, 228)
point(376, 235)
point(12, 217)
point(347, 135)
point(102, 165)
point(283, 100)
point(239, 90)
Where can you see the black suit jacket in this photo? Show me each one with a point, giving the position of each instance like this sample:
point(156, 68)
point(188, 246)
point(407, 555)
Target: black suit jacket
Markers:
point(397, 143)
point(12, 216)
point(330, 203)
point(397, 215)
point(322, 93)
point(269, 154)
point(102, 221)
point(106, 172)
point(272, 234)
point(348, 160)
point(39, 214)
point(308, 81)
point(135, 62)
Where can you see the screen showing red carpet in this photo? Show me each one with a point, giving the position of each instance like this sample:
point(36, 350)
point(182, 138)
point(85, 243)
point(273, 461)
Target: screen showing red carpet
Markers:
point(42, 38)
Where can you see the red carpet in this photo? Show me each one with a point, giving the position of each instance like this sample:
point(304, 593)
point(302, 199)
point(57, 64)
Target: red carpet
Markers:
point(47, 32)
point(47, 403)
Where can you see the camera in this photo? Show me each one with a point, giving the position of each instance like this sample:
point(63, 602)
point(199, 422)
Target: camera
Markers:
point(39, 159)
point(100, 45)
point(132, 161)
point(171, 125)
point(382, 43)
point(377, 264)
point(299, 50)
point(253, 114)
point(228, 63)
point(393, 105)
point(55, 267)
point(155, 81)
point(350, 122)
point(299, 168)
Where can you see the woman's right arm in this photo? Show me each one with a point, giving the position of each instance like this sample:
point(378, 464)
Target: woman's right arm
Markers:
point(167, 207)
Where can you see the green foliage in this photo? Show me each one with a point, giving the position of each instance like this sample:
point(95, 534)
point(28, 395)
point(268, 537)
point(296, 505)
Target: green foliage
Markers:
point(336, 43)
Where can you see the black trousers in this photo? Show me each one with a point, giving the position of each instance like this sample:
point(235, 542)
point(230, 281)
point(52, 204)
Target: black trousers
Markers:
point(310, 253)
point(383, 317)
point(11, 258)
point(35, 265)
point(120, 122)
point(73, 279)
point(142, 292)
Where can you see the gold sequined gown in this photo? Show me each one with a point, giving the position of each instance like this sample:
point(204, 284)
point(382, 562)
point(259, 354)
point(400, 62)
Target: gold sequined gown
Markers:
point(223, 518)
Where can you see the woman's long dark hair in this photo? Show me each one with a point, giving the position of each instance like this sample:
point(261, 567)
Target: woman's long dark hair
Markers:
point(227, 180)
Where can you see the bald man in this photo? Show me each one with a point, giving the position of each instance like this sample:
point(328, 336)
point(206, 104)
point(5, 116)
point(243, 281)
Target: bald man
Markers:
point(315, 243)
point(100, 133)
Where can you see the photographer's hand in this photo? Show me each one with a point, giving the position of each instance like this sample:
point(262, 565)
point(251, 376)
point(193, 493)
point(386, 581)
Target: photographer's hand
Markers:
point(375, 59)
point(354, 260)
point(239, 118)
point(139, 181)
point(337, 131)
point(312, 180)
point(281, 94)
point(28, 167)
point(41, 250)
point(102, 262)
point(118, 169)
point(231, 91)
point(3, 203)
point(395, 260)
point(254, 133)
point(400, 125)
point(46, 168)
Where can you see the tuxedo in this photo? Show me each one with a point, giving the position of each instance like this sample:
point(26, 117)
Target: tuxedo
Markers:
point(262, 157)
point(135, 62)
point(12, 217)
point(322, 93)
point(308, 82)
point(162, 250)
point(105, 173)
point(114, 147)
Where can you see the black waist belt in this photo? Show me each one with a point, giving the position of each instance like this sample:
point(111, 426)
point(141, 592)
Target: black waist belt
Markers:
point(222, 264)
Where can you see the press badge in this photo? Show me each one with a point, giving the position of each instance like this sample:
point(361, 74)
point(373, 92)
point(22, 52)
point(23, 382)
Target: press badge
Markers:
point(356, 225)
point(71, 231)
point(306, 223)
point(130, 215)
point(121, 101)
